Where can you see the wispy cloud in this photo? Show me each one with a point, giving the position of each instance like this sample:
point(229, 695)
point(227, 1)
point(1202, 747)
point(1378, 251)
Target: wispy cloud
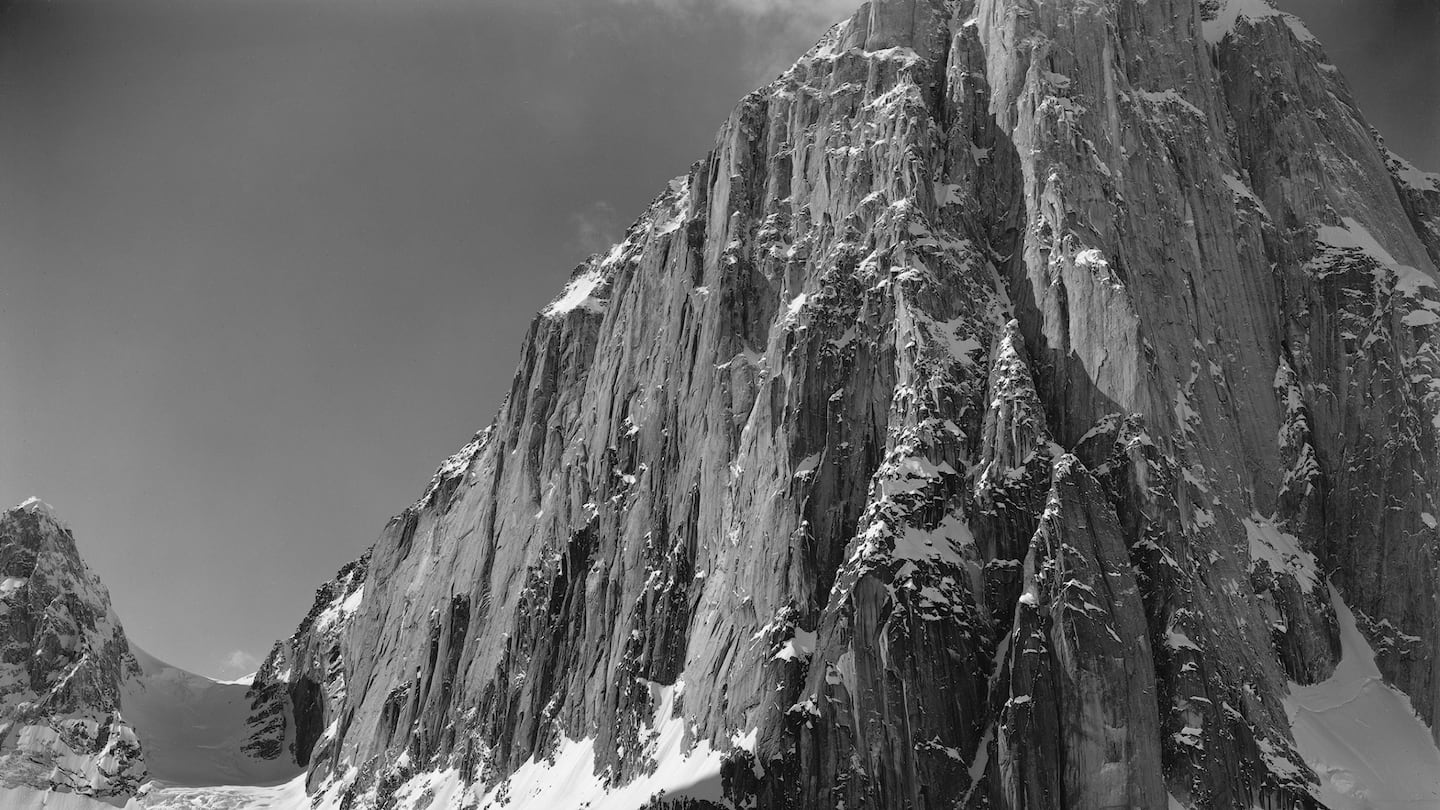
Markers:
point(238, 662)
point(776, 31)
point(828, 9)
point(596, 227)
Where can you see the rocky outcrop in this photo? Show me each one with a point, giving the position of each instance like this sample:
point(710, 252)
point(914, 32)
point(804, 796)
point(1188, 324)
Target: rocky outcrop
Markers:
point(296, 691)
point(63, 662)
point(984, 422)
point(87, 719)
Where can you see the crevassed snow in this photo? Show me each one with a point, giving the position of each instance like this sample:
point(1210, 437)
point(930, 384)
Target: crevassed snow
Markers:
point(1361, 736)
point(1281, 551)
point(287, 796)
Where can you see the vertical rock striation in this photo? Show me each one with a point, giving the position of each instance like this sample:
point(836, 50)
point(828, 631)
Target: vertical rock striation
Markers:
point(978, 425)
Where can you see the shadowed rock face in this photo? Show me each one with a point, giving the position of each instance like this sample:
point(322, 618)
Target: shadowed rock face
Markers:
point(976, 425)
point(295, 691)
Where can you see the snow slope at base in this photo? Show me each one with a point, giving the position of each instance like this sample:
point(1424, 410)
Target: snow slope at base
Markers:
point(568, 779)
point(31, 799)
point(191, 728)
point(289, 796)
point(1362, 737)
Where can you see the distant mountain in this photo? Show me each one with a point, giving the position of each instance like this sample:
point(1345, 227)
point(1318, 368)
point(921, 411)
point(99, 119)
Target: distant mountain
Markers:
point(1023, 405)
point(62, 666)
point(87, 714)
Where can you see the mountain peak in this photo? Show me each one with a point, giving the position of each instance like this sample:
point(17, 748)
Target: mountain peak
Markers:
point(966, 429)
point(34, 505)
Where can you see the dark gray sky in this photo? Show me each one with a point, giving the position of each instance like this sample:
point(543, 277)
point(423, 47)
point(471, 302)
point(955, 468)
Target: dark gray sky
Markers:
point(265, 263)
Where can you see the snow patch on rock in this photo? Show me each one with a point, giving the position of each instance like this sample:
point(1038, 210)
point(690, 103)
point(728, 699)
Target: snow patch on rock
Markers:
point(567, 778)
point(1232, 12)
point(1281, 551)
point(579, 294)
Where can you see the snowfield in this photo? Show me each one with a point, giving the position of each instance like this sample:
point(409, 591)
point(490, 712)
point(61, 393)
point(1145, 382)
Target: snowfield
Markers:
point(1360, 735)
point(192, 728)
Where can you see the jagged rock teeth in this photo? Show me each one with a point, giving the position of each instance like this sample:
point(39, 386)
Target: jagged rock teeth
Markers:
point(1080, 726)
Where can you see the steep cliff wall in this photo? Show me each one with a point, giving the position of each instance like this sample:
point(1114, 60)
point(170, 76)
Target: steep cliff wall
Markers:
point(302, 681)
point(981, 423)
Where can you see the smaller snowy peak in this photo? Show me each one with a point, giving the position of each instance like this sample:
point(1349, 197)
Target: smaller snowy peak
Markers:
point(1223, 18)
point(34, 506)
point(63, 656)
point(1409, 175)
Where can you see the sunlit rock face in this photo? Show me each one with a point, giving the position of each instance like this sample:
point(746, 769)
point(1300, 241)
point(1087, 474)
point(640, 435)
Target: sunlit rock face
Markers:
point(982, 423)
point(62, 665)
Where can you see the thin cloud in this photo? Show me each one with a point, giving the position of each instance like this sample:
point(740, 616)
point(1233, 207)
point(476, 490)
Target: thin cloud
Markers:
point(826, 9)
point(239, 662)
point(596, 227)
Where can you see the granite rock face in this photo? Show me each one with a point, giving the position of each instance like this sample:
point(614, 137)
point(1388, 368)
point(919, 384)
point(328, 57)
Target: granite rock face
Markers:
point(302, 680)
point(62, 667)
point(979, 424)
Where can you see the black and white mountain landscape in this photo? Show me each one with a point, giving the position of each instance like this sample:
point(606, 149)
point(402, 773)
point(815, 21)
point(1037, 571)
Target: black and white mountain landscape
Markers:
point(1023, 405)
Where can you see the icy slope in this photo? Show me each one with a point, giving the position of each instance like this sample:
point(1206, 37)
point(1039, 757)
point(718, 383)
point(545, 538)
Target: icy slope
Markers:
point(193, 729)
point(1360, 735)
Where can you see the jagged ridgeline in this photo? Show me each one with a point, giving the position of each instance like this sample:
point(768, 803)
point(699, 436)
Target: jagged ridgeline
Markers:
point(1024, 405)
